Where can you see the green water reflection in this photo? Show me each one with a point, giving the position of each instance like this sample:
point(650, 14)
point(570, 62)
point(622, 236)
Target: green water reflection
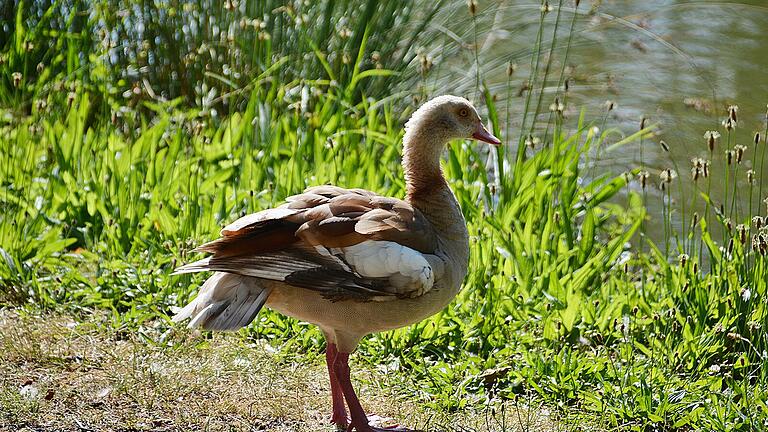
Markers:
point(678, 63)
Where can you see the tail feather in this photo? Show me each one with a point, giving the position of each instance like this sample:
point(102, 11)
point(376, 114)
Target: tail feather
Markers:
point(226, 302)
point(239, 315)
point(197, 266)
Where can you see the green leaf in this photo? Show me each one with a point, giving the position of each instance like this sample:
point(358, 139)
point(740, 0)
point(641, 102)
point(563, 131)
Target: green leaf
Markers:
point(587, 235)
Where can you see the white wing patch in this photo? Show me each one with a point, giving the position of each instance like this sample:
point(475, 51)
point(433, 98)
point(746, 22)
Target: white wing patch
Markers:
point(408, 271)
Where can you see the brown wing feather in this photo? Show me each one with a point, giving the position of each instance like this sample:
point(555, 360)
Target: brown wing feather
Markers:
point(327, 216)
point(260, 237)
point(397, 221)
point(249, 223)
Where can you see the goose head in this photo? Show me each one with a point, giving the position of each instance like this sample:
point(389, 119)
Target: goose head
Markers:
point(445, 118)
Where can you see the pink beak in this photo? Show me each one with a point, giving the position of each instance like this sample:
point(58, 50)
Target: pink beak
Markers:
point(482, 134)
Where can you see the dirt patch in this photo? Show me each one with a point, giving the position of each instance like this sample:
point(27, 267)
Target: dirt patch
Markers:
point(57, 374)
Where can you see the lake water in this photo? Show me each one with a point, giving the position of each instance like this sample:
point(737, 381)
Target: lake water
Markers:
point(677, 63)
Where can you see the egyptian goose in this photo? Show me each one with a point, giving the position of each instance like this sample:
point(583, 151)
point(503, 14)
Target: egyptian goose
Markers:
point(348, 260)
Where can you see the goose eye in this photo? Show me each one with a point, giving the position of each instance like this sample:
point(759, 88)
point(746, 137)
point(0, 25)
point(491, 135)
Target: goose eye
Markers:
point(463, 112)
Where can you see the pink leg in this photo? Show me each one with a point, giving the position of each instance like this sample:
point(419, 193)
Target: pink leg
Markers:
point(359, 419)
point(339, 417)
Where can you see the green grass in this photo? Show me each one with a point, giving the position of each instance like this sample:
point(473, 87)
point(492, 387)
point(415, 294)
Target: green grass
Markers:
point(565, 304)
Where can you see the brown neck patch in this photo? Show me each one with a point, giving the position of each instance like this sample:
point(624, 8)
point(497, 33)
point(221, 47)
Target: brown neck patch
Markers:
point(424, 185)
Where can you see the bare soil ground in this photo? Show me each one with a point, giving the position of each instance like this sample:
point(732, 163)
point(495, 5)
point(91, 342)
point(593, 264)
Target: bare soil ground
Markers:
point(57, 374)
